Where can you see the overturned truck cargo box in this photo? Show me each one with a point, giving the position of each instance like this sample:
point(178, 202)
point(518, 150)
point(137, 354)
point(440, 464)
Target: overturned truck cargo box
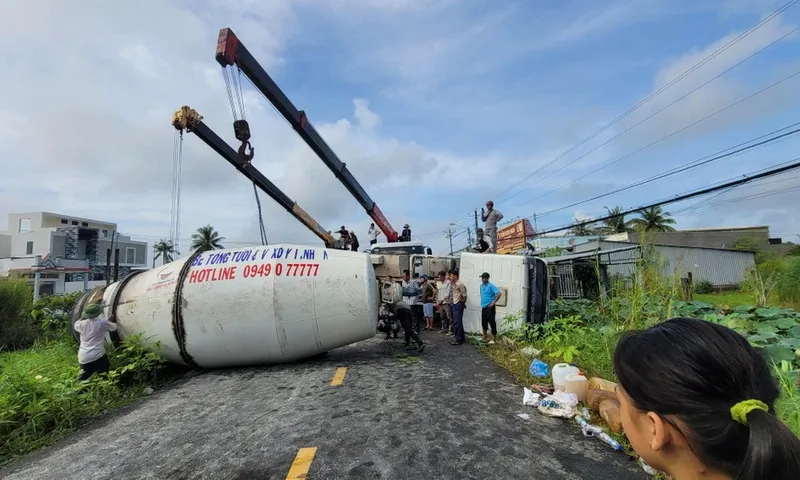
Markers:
point(247, 306)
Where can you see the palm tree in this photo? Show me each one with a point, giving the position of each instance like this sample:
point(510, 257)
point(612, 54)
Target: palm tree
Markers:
point(165, 250)
point(206, 239)
point(654, 219)
point(615, 223)
point(581, 229)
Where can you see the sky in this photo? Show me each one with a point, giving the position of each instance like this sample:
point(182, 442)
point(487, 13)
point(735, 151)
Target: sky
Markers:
point(435, 106)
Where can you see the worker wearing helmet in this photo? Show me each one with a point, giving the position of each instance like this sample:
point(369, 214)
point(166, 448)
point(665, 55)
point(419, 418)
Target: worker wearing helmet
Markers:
point(92, 353)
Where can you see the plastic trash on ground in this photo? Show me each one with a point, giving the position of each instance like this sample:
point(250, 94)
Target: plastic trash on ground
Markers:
point(530, 399)
point(590, 430)
point(524, 416)
point(530, 351)
point(539, 369)
point(564, 398)
point(552, 408)
point(647, 468)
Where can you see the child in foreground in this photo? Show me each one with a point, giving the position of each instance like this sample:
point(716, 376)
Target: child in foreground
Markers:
point(698, 402)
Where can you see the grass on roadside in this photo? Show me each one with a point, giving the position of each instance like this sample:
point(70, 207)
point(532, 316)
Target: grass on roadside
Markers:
point(41, 400)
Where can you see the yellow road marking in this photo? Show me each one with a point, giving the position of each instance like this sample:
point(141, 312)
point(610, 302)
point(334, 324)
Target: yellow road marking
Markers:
point(301, 464)
point(338, 377)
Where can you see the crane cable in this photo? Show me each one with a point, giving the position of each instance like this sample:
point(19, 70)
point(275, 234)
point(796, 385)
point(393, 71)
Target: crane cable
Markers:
point(233, 87)
point(175, 207)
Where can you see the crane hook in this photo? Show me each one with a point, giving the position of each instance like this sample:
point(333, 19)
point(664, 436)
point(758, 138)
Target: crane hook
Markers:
point(246, 151)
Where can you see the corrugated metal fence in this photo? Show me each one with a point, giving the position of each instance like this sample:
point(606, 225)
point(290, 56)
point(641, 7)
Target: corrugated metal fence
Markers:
point(720, 267)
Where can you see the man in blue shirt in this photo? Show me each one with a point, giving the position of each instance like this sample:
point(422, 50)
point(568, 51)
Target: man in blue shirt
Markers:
point(489, 296)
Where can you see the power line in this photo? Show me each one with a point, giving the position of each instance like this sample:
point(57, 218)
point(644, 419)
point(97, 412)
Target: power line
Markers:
point(666, 137)
point(722, 154)
point(605, 127)
point(679, 198)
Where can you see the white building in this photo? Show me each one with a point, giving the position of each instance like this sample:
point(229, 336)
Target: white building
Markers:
point(73, 250)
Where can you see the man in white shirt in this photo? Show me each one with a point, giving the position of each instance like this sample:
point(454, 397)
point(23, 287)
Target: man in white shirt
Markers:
point(373, 233)
point(92, 351)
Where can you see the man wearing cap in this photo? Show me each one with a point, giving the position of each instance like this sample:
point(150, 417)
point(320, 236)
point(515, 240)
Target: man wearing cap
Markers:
point(405, 236)
point(490, 217)
point(489, 296)
point(92, 352)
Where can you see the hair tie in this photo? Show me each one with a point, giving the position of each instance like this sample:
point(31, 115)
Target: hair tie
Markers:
point(740, 411)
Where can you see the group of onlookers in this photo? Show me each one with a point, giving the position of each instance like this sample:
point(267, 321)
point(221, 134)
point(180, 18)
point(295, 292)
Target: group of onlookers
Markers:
point(447, 295)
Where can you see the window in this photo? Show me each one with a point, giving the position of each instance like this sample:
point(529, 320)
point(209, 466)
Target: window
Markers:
point(29, 248)
point(105, 233)
point(74, 222)
point(402, 250)
point(130, 255)
point(84, 224)
point(24, 225)
point(64, 221)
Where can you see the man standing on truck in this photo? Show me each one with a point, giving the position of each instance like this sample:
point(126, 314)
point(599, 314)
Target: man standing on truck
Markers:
point(481, 245)
point(373, 233)
point(443, 303)
point(489, 297)
point(353, 241)
point(458, 300)
point(490, 218)
point(405, 236)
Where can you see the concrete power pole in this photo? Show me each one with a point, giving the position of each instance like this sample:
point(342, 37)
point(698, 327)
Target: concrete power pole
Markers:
point(449, 234)
point(476, 220)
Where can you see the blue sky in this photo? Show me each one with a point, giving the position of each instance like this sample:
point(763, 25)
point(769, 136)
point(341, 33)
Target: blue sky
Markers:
point(436, 107)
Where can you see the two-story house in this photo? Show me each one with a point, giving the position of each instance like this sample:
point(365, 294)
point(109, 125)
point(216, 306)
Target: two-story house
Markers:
point(75, 249)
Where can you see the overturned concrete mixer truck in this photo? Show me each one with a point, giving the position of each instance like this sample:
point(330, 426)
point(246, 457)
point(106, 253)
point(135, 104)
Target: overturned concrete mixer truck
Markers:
point(282, 303)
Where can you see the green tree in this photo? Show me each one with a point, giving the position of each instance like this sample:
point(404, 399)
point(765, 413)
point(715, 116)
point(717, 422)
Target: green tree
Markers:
point(206, 239)
point(615, 223)
point(165, 250)
point(581, 230)
point(654, 219)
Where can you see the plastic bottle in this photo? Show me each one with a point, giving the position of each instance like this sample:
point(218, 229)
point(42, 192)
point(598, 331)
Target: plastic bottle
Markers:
point(560, 371)
point(578, 384)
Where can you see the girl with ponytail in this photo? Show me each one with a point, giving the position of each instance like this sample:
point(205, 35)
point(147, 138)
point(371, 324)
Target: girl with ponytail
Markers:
point(698, 402)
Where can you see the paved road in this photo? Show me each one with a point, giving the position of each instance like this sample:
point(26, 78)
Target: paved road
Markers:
point(451, 414)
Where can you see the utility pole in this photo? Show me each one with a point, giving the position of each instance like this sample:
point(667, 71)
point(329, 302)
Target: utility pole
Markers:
point(476, 220)
point(469, 237)
point(535, 226)
point(449, 234)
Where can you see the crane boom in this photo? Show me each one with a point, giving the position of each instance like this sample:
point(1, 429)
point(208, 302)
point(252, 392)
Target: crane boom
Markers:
point(230, 52)
point(189, 120)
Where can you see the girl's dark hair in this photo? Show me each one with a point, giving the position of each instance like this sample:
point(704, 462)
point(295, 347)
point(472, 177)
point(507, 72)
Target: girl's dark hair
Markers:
point(691, 372)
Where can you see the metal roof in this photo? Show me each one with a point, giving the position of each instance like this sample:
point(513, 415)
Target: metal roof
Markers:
point(593, 253)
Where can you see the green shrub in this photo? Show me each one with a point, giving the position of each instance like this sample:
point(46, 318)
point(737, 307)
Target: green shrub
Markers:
point(17, 328)
point(53, 313)
point(703, 286)
point(788, 284)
